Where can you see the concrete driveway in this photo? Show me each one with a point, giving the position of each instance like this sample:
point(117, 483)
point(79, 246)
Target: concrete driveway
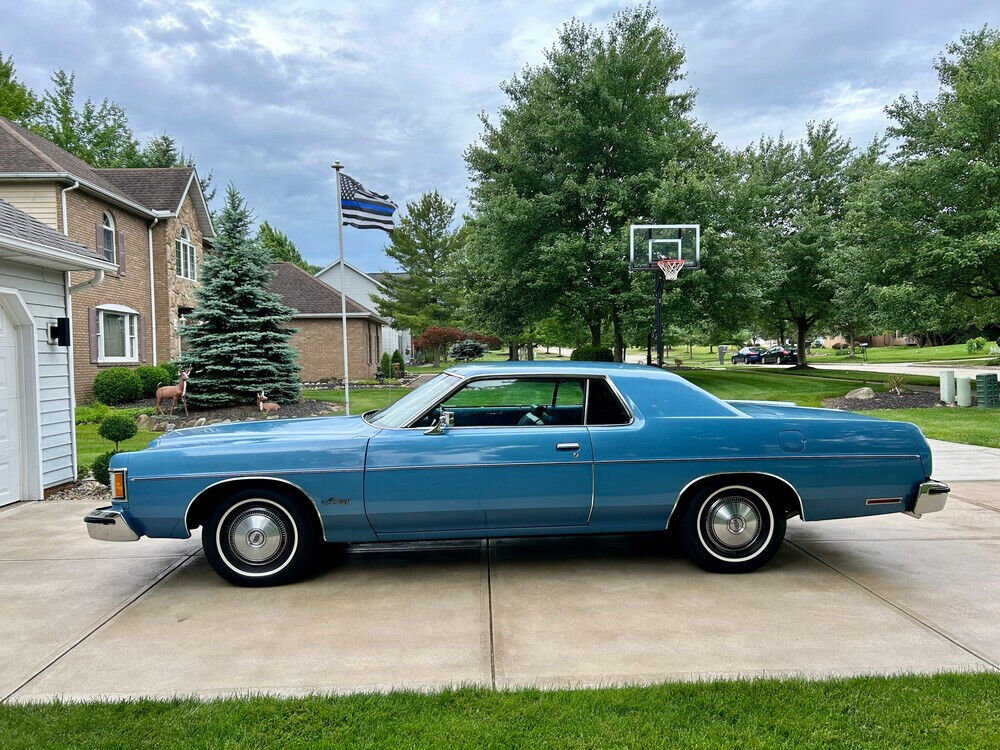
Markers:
point(81, 619)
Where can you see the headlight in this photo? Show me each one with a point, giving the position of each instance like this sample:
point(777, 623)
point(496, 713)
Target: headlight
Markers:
point(117, 477)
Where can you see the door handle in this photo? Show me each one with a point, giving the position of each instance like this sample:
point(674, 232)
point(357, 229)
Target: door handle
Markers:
point(567, 446)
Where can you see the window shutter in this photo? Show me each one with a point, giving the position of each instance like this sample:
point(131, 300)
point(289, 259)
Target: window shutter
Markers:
point(141, 338)
point(99, 239)
point(120, 250)
point(92, 331)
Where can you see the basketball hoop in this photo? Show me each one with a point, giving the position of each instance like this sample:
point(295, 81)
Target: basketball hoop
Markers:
point(671, 267)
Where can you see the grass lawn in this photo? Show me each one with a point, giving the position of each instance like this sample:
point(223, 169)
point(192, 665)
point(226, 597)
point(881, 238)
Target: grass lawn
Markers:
point(362, 399)
point(969, 425)
point(767, 386)
point(951, 710)
point(860, 376)
point(89, 445)
point(890, 354)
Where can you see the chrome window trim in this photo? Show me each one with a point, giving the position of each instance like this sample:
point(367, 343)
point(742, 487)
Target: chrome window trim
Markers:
point(532, 376)
point(802, 508)
point(312, 502)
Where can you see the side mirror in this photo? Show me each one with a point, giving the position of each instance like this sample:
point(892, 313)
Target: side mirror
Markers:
point(446, 420)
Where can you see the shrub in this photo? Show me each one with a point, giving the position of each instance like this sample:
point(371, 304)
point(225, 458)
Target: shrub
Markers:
point(592, 354)
point(100, 468)
point(92, 413)
point(117, 428)
point(151, 377)
point(895, 384)
point(173, 369)
point(116, 385)
point(975, 345)
point(397, 362)
point(463, 351)
point(386, 365)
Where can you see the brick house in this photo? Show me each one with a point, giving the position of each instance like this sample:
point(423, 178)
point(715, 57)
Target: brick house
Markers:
point(364, 287)
point(152, 225)
point(319, 323)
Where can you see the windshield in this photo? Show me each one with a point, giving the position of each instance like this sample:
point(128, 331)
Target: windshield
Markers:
point(414, 403)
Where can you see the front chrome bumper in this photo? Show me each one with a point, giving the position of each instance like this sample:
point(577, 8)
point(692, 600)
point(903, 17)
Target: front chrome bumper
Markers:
point(931, 497)
point(108, 525)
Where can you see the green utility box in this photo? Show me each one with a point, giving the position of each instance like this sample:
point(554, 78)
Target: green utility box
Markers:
point(987, 393)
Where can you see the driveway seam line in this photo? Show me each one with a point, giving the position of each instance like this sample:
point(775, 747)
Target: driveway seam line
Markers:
point(104, 621)
point(489, 601)
point(902, 610)
point(978, 505)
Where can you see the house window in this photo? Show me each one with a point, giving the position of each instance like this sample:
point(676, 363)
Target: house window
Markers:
point(108, 237)
point(184, 256)
point(117, 334)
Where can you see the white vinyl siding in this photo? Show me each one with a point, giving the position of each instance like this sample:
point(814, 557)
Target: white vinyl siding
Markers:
point(363, 290)
point(37, 199)
point(43, 291)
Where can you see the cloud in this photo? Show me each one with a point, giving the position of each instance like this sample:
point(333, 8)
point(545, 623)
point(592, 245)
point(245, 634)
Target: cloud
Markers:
point(267, 95)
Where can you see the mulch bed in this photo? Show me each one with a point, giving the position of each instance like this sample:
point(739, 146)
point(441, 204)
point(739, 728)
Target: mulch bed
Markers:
point(244, 412)
point(904, 400)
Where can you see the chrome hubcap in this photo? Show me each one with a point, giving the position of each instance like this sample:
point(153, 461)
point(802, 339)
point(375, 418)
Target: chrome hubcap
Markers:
point(258, 536)
point(733, 522)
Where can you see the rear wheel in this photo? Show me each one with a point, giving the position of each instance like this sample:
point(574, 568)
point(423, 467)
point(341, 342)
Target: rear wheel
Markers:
point(259, 537)
point(732, 528)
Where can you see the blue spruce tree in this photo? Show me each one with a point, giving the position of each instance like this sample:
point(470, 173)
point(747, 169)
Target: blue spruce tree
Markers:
point(237, 340)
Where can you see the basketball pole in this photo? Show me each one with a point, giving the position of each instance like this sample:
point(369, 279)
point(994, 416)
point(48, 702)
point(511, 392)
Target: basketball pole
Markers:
point(659, 319)
point(337, 166)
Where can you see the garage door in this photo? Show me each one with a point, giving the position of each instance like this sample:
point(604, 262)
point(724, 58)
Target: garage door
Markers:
point(10, 419)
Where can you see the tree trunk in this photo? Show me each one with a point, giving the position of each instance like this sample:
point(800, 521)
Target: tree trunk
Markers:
point(616, 325)
point(437, 356)
point(530, 352)
point(512, 355)
point(649, 348)
point(595, 333)
point(781, 332)
point(850, 334)
point(803, 328)
point(711, 349)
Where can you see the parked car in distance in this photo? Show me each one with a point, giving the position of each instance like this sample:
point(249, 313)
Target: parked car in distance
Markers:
point(519, 449)
point(749, 355)
point(781, 355)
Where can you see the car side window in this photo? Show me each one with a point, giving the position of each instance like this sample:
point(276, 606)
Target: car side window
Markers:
point(603, 405)
point(517, 402)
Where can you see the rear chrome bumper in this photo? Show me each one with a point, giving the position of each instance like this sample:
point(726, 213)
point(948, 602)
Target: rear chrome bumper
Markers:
point(108, 525)
point(931, 497)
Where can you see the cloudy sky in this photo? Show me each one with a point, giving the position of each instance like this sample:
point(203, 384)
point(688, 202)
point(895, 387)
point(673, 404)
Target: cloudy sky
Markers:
point(268, 94)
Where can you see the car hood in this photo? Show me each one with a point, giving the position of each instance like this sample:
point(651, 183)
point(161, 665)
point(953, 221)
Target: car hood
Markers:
point(267, 431)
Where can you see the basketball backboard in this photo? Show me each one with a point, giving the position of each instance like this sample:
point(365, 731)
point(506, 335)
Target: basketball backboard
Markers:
point(649, 243)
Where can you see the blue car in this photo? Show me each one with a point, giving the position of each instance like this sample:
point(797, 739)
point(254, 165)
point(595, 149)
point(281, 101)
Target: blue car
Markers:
point(519, 449)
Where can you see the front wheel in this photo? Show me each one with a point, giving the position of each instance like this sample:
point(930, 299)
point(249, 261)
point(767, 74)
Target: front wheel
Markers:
point(259, 537)
point(732, 529)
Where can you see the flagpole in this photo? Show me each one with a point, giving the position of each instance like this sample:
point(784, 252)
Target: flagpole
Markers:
point(337, 166)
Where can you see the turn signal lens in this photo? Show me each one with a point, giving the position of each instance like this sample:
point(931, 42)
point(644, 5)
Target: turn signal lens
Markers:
point(117, 485)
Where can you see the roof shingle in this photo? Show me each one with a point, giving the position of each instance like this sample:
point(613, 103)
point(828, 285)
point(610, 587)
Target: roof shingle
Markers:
point(17, 225)
point(160, 189)
point(307, 294)
point(24, 152)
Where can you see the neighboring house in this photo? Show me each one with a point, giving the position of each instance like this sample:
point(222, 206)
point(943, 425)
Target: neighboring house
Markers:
point(318, 319)
point(363, 287)
point(37, 437)
point(151, 225)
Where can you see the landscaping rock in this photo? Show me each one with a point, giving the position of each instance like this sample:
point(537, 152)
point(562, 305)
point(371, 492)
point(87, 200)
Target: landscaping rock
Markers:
point(864, 393)
point(200, 422)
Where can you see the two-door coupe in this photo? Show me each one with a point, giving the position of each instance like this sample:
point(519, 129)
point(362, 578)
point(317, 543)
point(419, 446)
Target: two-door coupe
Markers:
point(519, 449)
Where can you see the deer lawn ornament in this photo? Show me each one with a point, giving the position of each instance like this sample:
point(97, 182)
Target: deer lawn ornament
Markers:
point(174, 392)
point(266, 405)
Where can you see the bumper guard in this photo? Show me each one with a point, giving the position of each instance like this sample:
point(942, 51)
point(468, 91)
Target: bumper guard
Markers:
point(931, 497)
point(108, 525)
